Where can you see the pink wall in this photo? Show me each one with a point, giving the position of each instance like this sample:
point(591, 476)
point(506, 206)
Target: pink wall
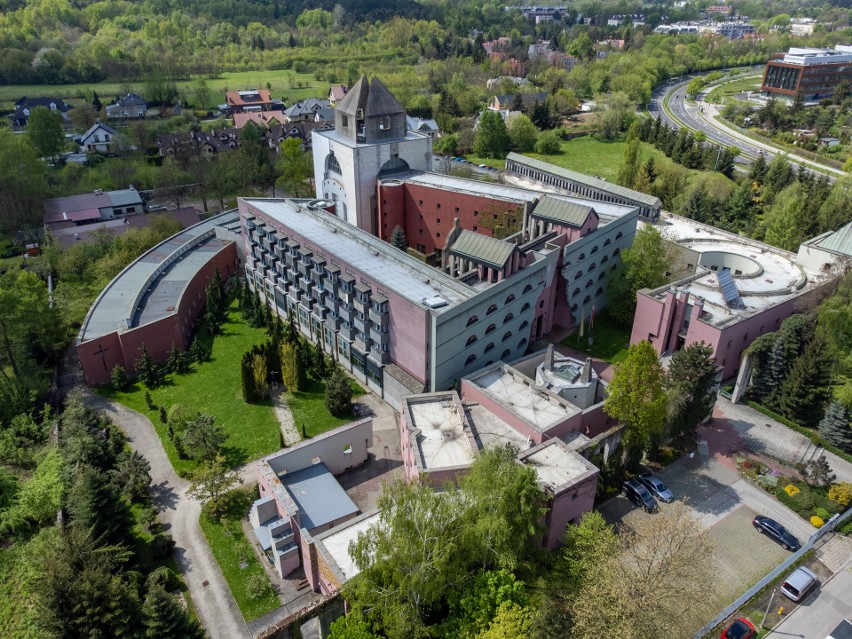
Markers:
point(569, 506)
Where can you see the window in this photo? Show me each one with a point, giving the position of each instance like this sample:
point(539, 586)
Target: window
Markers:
point(575, 292)
point(607, 242)
point(601, 276)
point(587, 299)
point(394, 165)
point(582, 256)
point(489, 346)
point(524, 324)
point(437, 220)
point(347, 449)
point(527, 289)
point(509, 317)
point(594, 250)
point(420, 203)
point(525, 307)
point(476, 214)
point(473, 319)
point(510, 299)
point(438, 206)
point(421, 248)
point(332, 165)
point(491, 309)
point(616, 252)
point(578, 275)
point(589, 283)
point(491, 328)
point(604, 259)
point(522, 343)
point(470, 360)
point(344, 120)
point(471, 340)
point(599, 291)
point(619, 235)
point(506, 354)
point(506, 336)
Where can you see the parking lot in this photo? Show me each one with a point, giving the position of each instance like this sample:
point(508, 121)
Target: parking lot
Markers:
point(725, 504)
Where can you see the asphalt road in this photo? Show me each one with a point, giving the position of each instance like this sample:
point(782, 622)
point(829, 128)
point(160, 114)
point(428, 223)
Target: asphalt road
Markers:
point(691, 116)
point(820, 613)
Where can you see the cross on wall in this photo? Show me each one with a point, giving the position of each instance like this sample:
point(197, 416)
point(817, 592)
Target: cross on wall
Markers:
point(102, 352)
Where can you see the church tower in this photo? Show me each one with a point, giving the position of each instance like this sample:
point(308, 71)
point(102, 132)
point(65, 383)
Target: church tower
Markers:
point(370, 141)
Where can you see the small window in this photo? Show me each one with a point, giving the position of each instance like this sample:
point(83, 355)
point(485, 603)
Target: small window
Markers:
point(616, 252)
point(470, 360)
point(506, 354)
point(522, 343)
point(476, 214)
point(438, 205)
point(419, 202)
point(524, 324)
point(589, 283)
point(489, 346)
point(457, 209)
point(316, 460)
point(510, 299)
point(509, 317)
point(344, 120)
point(527, 289)
point(582, 256)
point(607, 242)
point(491, 328)
point(437, 220)
point(578, 275)
point(347, 449)
point(619, 235)
point(506, 336)
point(599, 291)
point(525, 307)
point(471, 340)
point(473, 319)
point(576, 291)
point(491, 309)
point(594, 250)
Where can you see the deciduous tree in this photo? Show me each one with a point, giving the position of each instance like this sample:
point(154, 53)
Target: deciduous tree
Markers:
point(522, 133)
point(294, 167)
point(492, 138)
point(44, 128)
point(211, 482)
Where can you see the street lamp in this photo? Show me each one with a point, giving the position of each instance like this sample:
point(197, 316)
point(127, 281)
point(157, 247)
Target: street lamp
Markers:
point(272, 374)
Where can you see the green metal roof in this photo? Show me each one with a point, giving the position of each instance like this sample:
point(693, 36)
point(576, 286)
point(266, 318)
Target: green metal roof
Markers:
point(481, 248)
point(587, 180)
point(840, 241)
point(562, 212)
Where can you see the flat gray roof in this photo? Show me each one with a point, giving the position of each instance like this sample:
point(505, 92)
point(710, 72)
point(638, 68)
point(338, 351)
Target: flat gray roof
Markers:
point(113, 306)
point(588, 180)
point(387, 267)
point(320, 498)
point(332, 134)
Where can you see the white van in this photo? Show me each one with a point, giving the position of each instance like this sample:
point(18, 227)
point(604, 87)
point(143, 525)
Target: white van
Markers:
point(800, 582)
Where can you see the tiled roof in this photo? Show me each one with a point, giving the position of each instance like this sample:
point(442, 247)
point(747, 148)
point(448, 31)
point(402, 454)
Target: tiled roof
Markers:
point(587, 180)
point(481, 248)
point(234, 98)
point(262, 119)
point(562, 212)
point(302, 107)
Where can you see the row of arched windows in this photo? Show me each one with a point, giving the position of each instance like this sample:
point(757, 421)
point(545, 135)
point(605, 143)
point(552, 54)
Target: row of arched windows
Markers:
point(472, 358)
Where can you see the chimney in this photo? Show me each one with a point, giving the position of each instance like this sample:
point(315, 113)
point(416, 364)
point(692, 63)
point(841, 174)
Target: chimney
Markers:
point(548, 358)
point(586, 375)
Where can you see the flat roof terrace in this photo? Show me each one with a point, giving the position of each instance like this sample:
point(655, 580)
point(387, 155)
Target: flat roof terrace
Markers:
point(151, 286)
point(764, 275)
point(441, 437)
point(556, 465)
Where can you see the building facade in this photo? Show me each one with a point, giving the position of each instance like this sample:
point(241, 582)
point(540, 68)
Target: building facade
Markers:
point(814, 72)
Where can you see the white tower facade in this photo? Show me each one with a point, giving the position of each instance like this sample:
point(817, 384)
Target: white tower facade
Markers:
point(370, 140)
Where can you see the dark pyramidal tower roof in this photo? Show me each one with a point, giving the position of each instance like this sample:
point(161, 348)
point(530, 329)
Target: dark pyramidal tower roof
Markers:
point(372, 97)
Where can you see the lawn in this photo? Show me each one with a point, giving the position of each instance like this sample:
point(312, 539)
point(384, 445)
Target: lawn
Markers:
point(17, 608)
point(740, 85)
point(610, 341)
point(235, 555)
point(213, 388)
point(310, 413)
point(284, 83)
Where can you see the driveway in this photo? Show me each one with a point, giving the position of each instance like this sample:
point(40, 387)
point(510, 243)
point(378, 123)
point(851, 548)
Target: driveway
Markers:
point(179, 514)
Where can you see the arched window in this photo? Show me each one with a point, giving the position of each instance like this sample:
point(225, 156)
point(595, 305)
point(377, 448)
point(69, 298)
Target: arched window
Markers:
point(589, 283)
point(578, 275)
point(599, 291)
point(471, 340)
point(594, 250)
point(506, 336)
point(587, 299)
point(489, 362)
point(510, 299)
point(574, 307)
point(491, 309)
point(470, 360)
point(491, 328)
point(619, 235)
point(331, 164)
point(525, 307)
point(602, 275)
point(613, 267)
point(509, 317)
point(575, 292)
point(616, 252)
point(582, 256)
point(592, 267)
point(473, 319)
point(506, 354)
point(527, 289)
point(394, 165)
point(607, 242)
point(524, 324)
point(489, 346)
point(522, 343)
point(605, 259)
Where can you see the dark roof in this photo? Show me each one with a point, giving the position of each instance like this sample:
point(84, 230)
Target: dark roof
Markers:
point(526, 98)
point(72, 203)
point(562, 212)
point(132, 99)
point(309, 105)
point(481, 248)
point(96, 126)
point(321, 500)
point(356, 97)
point(61, 105)
point(372, 97)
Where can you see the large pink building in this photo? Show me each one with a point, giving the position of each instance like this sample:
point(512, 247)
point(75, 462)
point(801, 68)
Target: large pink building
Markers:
point(732, 291)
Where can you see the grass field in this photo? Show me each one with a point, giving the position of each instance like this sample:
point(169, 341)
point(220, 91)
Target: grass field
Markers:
point(610, 342)
point(214, 388)
point(309, 411)
point(740, 85)
point(235, 555)
point(284, 83)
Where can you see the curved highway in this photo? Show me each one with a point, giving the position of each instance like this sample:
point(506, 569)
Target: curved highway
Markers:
point(691, 116)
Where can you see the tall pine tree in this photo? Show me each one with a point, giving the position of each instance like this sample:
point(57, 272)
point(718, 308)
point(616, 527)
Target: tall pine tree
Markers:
point(836, 428)
point(805, 389)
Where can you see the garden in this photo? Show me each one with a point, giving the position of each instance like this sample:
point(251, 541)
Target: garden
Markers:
point(607, 339)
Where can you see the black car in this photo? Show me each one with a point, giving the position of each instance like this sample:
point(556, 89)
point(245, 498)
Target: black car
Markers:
point(639, 495)
point(776, 532)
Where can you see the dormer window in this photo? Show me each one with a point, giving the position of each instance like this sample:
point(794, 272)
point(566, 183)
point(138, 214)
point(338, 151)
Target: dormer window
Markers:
point(384, 123)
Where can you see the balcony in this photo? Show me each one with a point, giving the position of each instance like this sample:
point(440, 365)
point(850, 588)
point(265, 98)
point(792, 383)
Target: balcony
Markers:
point(363, 343)
point(362, 325)
point(379, 357)
point(377, 336)
point(332, 303)
point(346, 314)
point(378, 317)
point(347, 332)
point(362, 306)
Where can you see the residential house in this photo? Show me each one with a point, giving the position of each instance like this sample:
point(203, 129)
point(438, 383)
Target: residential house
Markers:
point(199, 143)
point(88, 208)
point(495, 82)
point(503, 102)
point(132, 105)
point(305, 109)
point(336, 92)
point(324, 115)
point(251, 100)
point(263, 119)
point(302, 130)
point(18, 118)
point(423, 126)
point(100, 138)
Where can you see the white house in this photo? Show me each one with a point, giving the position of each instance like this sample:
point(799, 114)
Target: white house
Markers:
point(100, 138)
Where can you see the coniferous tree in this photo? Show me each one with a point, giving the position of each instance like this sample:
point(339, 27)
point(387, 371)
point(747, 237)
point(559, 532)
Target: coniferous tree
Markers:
point(628, 172)
point(292, 368)
point(836, 428)
point(247, 378)
point(805, 389)
point(691, 381)
point(96, 101)
point(96, 503)
point(757, 173)
point(196, 350)
point(148, 371)
point(338, 394)
point(164, 617)
point(398, 238)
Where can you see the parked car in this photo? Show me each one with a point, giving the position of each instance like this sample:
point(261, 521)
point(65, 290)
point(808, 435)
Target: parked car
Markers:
point(776, 532)
point(153, 208)
point(742, 628)
point(658, 489)
point(843, 631)
point(639, 495)
point(800, 582)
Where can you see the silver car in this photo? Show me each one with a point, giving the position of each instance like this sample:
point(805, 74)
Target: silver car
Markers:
point(657, 488)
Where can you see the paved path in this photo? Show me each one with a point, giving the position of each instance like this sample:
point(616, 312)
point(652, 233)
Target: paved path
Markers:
point(179, 513)
point(821, 611)
point(285, 418)
point(765, 436)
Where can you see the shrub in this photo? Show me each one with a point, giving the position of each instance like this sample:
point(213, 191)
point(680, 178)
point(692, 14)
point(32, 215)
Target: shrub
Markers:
point(817, 522)
point(791, 490)
point(822, 513)
point(805, 502)
point(161, 545)
point(119, 377)
point(841, 493)
point(258, 586)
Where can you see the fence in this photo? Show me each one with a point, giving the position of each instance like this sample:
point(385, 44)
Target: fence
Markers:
point(830, 525)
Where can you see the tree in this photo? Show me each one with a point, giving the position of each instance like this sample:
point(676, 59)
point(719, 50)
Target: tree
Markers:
point(352, 626)
point(95, 502)
point(294, 166)
point(506, 507)
point(690, 386)
point(203, 439)
point(548, 143)
point(260, 373)
point(447, 144)
point(757, 173)
point(836, 428)
point(818, 472)
point(637, 398)
point(196, 350)
point(293, 373)
point(163, 616)
point(338, 394)
point(398, 238)
point(492, 138)
point(614, 113)
point(118, 377)
point(805, 389)
point(96, 101)
point(133, 475)
point(83, 117)
point(779, 174)
point(211, 482)
point(522, 133)
point(44, 128)
point(148, 371)
point(628, 172)
point(23, 186)
point(643, 265)
point(787, 224)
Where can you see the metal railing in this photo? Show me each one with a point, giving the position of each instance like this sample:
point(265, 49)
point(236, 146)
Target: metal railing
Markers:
point(829, 526)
